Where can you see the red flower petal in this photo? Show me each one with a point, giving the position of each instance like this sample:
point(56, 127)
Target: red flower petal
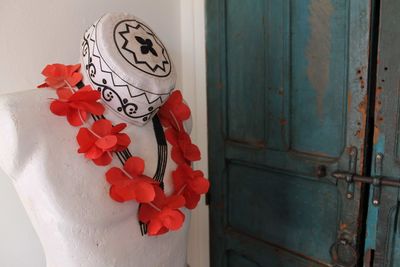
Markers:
point(115, 195)
point(74, 79)
point(181, 112)
point(164, 120)
point(64, 93)
point(175, 98)
point(73, 68)
point(94, 153)
point(43, 85)
point(199, 185)
point(191, 152)
point(115, 176)
point(93, 107)
point(59, 108)
point(146, 213)
point(84, 94)
point(85, 140)
point(107, 142)
point(179, 179)
point(117, 128)
point(76, 117)
point(177, 156)
point(155, 227)
point(134, 166)
point(54, 70)
point(191, 198)
point(86, 88)
point(172, 219)
point(175, 202)
point(143, 192)
point(102, 127)
point(104, 160)
point(58, 75)
point(123, 141)
point(172, 136)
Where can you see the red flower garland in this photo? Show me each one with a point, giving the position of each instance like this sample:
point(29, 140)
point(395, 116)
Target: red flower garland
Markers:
point(59, 75)
point(76, 106)
point(160, 212)
point(103, 138)
point(130, 183)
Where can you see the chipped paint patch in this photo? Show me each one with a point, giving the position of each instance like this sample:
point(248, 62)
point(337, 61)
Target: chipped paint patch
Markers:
point(362, 108)
point(318, 50)
point(349, 98)
point(343, 226)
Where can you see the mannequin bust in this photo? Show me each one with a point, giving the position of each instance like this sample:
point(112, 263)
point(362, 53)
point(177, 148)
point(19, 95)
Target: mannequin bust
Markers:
point(66, 195)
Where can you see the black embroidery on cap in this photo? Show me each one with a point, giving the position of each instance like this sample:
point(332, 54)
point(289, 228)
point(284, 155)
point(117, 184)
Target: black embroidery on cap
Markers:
point(155, 64)
point(147, 46)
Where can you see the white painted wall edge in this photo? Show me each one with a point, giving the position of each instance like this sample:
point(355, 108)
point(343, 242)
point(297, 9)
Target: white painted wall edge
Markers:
point(194, 89)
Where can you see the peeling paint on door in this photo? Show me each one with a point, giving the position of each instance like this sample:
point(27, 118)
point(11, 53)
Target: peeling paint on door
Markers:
point(319, 48)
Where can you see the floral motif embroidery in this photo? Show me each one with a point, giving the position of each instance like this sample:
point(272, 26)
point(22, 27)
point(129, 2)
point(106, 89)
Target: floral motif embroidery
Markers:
point(146, 46)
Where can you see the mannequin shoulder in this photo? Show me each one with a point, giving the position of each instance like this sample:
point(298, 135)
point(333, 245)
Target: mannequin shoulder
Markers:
point(24, 111)
point(23, 118)
point(13, 104)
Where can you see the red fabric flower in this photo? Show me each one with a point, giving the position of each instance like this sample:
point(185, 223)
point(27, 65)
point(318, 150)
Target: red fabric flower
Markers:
point(139, 187)
point(76, 105)
point(191, 184)
point(163, 213)
point(183, 150)
point(174, 112)
point(101, 140)
point(59, 75)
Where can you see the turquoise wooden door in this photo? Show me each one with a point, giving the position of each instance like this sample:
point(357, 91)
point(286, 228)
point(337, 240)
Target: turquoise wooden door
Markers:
point(383, 237)
point(287, 103)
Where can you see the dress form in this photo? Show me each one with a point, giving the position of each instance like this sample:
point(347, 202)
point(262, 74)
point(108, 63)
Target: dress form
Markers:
point(66, 195)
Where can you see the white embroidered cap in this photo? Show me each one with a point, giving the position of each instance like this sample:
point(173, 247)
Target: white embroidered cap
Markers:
point(125, 60)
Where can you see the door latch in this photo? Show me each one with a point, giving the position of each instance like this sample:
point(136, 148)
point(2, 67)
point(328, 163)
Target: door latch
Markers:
point(376, 181)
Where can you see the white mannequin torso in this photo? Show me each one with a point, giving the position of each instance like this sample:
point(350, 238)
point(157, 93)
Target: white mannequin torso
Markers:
point(66, 195)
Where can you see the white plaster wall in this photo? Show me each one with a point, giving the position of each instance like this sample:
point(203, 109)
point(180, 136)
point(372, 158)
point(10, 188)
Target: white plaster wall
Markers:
point(34, 33)
point(194, 85)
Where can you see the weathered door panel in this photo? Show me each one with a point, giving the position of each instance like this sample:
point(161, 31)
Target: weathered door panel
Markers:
point(383, 221)
point(286, 98)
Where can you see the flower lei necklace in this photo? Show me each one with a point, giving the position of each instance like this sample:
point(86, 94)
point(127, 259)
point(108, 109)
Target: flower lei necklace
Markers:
point(99, 141)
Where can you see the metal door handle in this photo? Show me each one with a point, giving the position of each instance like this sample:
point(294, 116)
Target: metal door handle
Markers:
point(343, 254)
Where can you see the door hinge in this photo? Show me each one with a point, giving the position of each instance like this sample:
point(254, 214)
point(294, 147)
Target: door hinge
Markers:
point(376, 181)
